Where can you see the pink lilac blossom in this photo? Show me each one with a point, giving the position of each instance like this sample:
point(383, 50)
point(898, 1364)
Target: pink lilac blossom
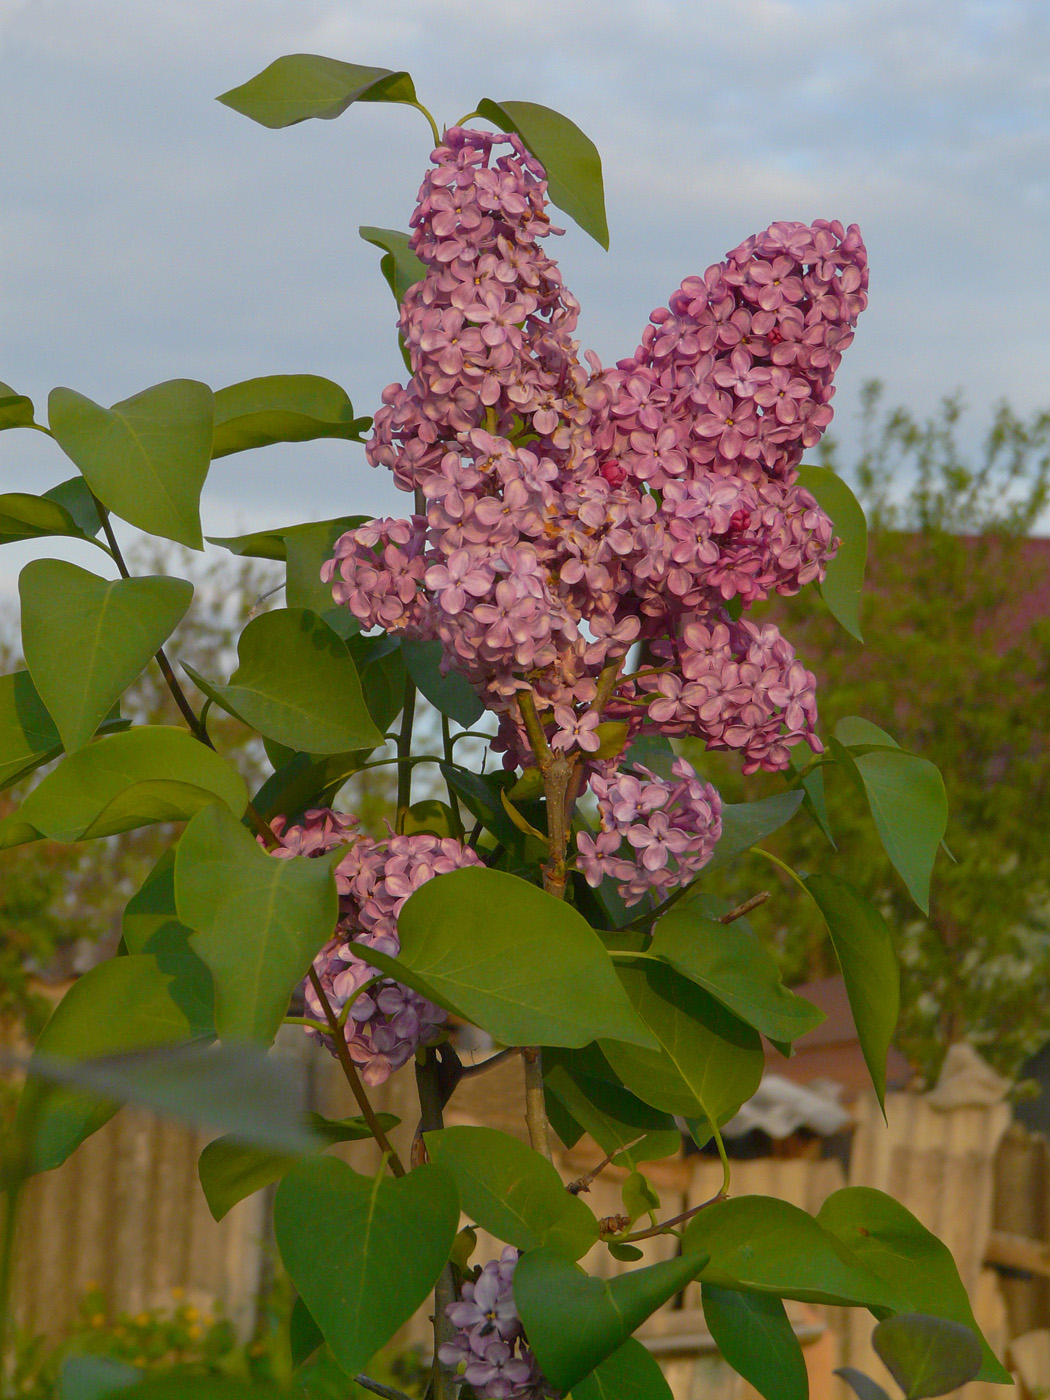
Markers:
point(387, 1022)
point(569, 511)
point(670, 827)
point(489, 1352)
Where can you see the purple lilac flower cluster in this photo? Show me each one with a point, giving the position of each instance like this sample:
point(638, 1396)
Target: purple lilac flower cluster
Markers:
point(388, 1022)
point(489, 1351)
point(570, 513)
point(671, 828)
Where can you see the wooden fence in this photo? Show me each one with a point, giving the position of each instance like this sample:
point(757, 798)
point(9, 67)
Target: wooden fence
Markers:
point(126, 1213)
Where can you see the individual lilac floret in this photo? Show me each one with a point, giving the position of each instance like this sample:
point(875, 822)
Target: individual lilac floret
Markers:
point(387, 1023)
point(671, 827)
point(489, 1352)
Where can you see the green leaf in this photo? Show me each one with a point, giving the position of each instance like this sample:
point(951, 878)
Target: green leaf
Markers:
point(234, 1087)
point(363, 1253)
point(24, 517)
point(112, 628)
point(28, 736)
point(613, 1116)
point(304, 782)
point(890, 1242)
point(571, 160)
point(813, 788)
point(282, 408)
point(304, 1335)
point(307, 547)
point(452, 694)
point(631, 1373)
point(511, 959)
point(864, 947)
point(927, 1355)
point(151, 925)
point(94, 1378)
point(768, 1246)
point(745, 824)
point(512, 1191)
point(296, 683)
point(120, 1005)
point(231, 1170)
point(638, 1196)
point(16, 411)
point(303, 85)
point(709, 1062)
point(382, 670)
point(145, 458)
point(75, 497)
point(574, 1322)
point(480, 794)
point(863, 1387)
point(400, 266)
point(258, 921)
point(75, 798)
point(753, 1333)
point(728, 961)
point(844, 581)
point(262, 544)
point(908, 804)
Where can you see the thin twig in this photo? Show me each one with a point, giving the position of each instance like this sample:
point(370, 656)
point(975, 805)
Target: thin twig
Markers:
point(353, 1078)
point(404, 750)
point(666, 1225)
point(378, 1388)
point(535, 1107)
point(472, 1071)
point(583, 1183)
point(197, 729)
point(436, 1078)
point(745, 908)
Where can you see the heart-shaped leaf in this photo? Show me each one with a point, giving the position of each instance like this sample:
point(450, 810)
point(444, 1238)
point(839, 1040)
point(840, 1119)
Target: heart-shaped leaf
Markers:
point(223, 1087)
point(907, 799)
point(709, 1062)
point(28, 736)
point(890, 1242)
point(303, 85)
point(753, 1333)
point(71, 799)
point(75, 497)
point(452, 694)
point(145, 458)
point(927, 1355)
point(512, 1191)
point(120, 1005)
point(297, 683)
point(863, 1387)
point(571, 160)
point(282, 408)
point(844, 581)
point(745, 824)
point(582, 1083)
point(16, 411)
point(151, 925)
point(574, 1322)
point(632, 1373)
point(512, 959)
point(112, 628)
point(399, 265)
point(768, 1246)
point(231, 1170)
point(728, 961)
point(363, 1252)
point(24, 517)
point(258, 921)
point(864, 947)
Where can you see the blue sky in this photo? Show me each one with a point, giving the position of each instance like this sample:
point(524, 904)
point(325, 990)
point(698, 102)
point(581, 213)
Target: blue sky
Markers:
point(147, 232)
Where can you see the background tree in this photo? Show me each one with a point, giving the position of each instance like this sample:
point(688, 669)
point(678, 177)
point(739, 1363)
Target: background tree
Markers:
point(955, 664)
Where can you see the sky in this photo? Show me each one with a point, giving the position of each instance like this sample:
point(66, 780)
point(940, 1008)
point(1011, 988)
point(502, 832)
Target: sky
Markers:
point(148, 232)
